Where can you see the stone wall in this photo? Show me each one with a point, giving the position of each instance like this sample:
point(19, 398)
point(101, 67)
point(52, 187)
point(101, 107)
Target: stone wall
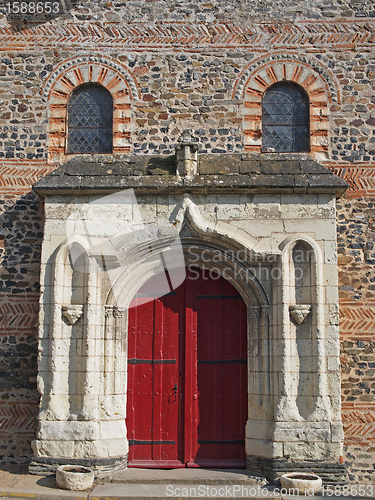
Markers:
point(20, 246)
point(192, 89)
point(186, 60)
point(357, 298)
point(177, 11)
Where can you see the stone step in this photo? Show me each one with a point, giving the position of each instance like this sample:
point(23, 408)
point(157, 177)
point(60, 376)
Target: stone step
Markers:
point(194, 476)
point(193, 492)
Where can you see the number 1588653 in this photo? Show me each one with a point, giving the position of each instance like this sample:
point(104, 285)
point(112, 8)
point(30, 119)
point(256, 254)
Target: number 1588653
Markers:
point(33, 7)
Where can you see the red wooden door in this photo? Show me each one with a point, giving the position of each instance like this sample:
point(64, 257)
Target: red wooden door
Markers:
point(187, 375)
point(154, 353)
point(222, 373)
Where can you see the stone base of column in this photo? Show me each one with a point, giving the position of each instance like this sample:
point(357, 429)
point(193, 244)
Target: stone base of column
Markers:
point(273, 468)
point(104, 467)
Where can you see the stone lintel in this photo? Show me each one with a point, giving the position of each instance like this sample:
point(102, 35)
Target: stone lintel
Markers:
point(229, 173)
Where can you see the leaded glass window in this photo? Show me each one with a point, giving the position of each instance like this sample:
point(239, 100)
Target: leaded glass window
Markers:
point(90, 117)
point(285, 118)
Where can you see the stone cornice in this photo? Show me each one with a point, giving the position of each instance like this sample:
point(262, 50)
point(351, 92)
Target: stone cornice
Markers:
point(254, 173)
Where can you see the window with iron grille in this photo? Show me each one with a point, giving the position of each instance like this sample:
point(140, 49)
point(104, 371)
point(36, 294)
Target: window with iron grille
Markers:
point(90, 118)
point(285, 118)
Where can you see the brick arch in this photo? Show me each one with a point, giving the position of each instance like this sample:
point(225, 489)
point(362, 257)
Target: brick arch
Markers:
point(298, 72)
point(66, 79)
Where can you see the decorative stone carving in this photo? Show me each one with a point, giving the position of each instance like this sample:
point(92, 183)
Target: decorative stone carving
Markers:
point(118, 312)
point(72, 313)
point(187, 155)
point(254, 311)
point(265, 311)
point(334, 318)
point(108, 310)
point(299, 312)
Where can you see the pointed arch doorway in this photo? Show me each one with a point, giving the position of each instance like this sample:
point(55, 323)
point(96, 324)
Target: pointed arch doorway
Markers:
point(187, 375)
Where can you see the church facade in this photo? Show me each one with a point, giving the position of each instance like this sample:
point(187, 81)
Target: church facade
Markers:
point(187, 237)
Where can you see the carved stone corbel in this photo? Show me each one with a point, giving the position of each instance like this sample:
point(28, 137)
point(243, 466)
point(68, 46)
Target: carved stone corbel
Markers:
point(299, 312)
point(187, 155)
point(72, 312)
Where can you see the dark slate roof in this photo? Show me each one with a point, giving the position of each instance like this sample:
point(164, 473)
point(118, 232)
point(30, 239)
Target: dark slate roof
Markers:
point(255, 173)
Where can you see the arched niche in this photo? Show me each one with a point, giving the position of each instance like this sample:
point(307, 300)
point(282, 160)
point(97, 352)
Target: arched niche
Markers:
point(62, 379)
point(303, 336)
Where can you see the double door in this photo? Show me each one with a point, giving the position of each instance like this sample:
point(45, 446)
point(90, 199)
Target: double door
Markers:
point(187, 375)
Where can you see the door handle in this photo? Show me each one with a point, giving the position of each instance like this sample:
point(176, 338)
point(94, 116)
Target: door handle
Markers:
point(175, 389)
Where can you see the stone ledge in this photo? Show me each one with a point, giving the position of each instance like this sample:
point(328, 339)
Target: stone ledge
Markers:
point(105, 467)
point(271, 468)
point(253, 173)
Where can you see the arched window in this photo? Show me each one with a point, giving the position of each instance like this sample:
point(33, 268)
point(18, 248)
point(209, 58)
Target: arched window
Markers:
point(90, 118)
point(285, 118)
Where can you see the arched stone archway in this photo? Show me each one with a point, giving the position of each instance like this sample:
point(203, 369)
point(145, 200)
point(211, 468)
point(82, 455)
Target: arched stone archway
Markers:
point(233, 241)
point(233, 262)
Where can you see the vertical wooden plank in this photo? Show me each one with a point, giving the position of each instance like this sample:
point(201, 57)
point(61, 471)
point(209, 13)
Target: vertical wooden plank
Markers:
point(222, 362)
point(190, 385)
point(157, 370)
point(154, 369)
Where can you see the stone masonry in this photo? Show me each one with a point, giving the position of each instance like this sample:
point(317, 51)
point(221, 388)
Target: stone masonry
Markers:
point(200, 66)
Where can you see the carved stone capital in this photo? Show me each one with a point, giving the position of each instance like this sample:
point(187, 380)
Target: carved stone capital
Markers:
point(118, 312)
point(299, 312)
point(108, 311)
point(255, 311)
point(265, 311)
point(72, 313)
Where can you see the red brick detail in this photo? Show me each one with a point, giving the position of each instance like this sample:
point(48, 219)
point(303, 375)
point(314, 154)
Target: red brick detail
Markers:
point(18, 176)
point(122, 134)
point(125, 119)
point(296, 74)
point(319, 148)
point(121, 106)
point(253, 149)
point(309, 81)
point(79, 77)
point(360, 177)
point(140, 36)
point(103, 73)
point(18, 315)
point(122, 150)
point(302, 74)
point(252, 117)
point(113, 82)
point(319, 133)
point(67, 82)
point(271, 72)
point(76, 75)
point(18, 417)
point(256, 92)
point(357, 320)
point(60, 93)
point(359, 425)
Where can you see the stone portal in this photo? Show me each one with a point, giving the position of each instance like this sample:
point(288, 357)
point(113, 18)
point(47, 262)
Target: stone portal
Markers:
point(266, 223)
